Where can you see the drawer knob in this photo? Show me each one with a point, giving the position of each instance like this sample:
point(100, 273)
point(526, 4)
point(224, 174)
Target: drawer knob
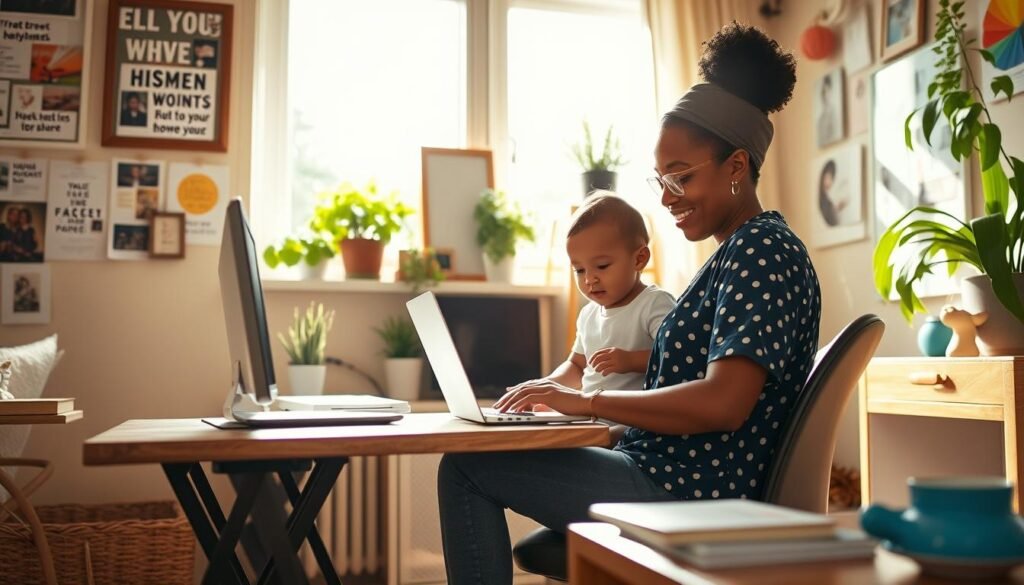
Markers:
point(928, 378)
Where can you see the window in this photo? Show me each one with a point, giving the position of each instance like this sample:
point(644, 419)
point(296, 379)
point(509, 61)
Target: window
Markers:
point(370, 82)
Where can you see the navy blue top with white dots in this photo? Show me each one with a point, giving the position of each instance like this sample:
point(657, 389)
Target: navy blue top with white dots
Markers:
point(756, 297)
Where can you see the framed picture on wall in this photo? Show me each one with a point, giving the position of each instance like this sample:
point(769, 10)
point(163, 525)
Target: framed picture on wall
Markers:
point(902, 26)
point(838, 197)
point(167, 76)
point(167, 235)
point(44, 66)
point(828, 108)
point(452, 182)
point(1002, 35)
point(25, 294)
point(903, 178)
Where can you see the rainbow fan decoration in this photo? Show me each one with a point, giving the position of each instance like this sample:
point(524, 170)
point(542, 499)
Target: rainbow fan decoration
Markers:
point(1002, 32)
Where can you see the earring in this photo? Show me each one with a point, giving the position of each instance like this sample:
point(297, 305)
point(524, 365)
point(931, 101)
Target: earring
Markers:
point(735, 189)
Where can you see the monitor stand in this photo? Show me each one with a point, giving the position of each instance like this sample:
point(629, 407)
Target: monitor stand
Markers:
point(239, 402)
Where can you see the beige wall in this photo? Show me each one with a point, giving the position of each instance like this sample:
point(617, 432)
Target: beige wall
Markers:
point(845, 271)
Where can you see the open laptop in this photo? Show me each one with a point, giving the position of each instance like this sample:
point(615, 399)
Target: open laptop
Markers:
point(451, 375)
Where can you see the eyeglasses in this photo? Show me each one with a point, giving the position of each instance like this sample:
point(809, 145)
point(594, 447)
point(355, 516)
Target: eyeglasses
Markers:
point(673, 181)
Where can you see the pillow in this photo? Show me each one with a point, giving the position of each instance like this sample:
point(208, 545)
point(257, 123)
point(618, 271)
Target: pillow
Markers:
point(32, 366)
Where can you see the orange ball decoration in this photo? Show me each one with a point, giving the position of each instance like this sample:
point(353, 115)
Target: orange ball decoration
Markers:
point(817, 42)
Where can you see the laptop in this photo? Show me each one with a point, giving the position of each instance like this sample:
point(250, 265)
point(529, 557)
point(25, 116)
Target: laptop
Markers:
point(451, 375)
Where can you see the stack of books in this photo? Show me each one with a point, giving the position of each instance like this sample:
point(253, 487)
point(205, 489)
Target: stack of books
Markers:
point(35, 410)
point(735, 533)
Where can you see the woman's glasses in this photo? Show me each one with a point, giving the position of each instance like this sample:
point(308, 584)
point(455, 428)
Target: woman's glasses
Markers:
point(674, 181)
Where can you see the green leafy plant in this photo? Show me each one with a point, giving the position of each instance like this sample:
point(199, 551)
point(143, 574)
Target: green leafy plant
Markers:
point(399, 337)
point(610, 157)
point(309, 249)
point(993, 244)
point(419, 269)
point(307, 337)
point(500, 225)
point(348, 212)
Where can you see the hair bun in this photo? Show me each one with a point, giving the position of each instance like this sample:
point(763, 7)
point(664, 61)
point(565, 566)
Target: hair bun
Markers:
point(749, 64)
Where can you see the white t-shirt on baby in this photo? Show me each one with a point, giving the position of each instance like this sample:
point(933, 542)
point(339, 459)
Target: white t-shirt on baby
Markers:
point(630, 328)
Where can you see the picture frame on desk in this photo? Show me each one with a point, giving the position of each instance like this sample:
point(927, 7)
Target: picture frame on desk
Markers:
point(179, 99)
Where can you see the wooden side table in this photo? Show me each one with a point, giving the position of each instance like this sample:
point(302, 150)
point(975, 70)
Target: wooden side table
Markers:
point(977, 388)
point(19, 495)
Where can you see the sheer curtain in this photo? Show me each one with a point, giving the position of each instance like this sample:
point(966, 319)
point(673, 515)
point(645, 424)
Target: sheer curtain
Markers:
point(677, 31)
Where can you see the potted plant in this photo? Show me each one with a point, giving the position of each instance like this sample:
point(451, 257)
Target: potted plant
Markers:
point(926, 238)
point(305, 343)
point(310, 253)
point(599, 170)
point(403, 362)
point(361, 222)
point(500, 226)
point(419, 269)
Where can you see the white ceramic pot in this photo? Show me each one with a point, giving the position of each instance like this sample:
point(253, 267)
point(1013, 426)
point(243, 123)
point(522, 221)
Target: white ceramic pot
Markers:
point(500, 272)
point(1002, 333)
point(307, 380)
point(307, 272)
point(403, 377)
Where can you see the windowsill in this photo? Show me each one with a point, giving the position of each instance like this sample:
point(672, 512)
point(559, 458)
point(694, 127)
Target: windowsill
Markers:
point(474, 288)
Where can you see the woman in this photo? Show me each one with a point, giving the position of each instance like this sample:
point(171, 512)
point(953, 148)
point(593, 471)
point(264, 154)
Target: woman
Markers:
point(728, 362)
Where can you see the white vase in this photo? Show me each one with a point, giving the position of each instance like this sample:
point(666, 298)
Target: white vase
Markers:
point(307, 272)
point(500, 271)
point(307, 380)
point(1002, 333)
point(403, 377)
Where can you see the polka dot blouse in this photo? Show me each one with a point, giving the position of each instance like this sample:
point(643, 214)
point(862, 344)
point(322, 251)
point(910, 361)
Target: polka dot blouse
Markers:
point(756, 297)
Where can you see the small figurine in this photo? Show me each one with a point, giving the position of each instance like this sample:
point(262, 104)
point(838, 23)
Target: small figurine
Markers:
point(6, 371)
point(964, 326)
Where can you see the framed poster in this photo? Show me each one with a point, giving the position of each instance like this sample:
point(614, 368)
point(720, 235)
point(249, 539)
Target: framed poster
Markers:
point(452, 182)
point(1002, 34)
point(838, 197)
point(168, 71)
point(44, 66)
point(902, 26)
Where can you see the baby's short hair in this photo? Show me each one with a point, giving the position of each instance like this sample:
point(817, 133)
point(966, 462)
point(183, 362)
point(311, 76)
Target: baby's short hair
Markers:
point(605, 206)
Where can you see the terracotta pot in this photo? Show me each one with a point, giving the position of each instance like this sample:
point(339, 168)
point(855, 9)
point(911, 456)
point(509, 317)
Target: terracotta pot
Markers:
point(1002, 333)
point(362, 257)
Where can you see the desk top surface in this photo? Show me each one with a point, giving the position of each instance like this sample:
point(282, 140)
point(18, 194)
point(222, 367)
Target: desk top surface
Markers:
point(633, 562)
point(189, 440)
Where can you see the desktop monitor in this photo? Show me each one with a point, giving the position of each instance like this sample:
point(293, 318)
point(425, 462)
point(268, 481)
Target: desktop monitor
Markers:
point(244, 314)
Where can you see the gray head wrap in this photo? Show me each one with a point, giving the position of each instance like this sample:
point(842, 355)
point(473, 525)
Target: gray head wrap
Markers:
point(727, 116)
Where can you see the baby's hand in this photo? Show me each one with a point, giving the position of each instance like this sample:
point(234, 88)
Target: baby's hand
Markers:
point(611, 360)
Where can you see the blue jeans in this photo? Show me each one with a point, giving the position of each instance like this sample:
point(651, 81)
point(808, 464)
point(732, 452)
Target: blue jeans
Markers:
point(553, 487)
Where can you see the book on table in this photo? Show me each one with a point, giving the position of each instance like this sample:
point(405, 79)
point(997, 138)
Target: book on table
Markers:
point(844, 544)
point(667, 524)
point(36, 406)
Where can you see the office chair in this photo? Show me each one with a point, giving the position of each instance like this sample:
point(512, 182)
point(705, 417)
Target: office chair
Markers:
point(798, 476)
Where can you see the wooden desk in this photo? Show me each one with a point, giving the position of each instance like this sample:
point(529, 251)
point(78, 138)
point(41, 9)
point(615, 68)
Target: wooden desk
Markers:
point(978, 388)
point(251, 457)
point(598, 555)
point(19, 495)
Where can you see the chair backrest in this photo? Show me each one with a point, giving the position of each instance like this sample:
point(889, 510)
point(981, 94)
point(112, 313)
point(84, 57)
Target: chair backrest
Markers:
point(801, 468)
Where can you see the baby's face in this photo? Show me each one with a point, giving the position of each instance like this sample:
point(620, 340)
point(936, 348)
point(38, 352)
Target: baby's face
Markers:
point(606, 269)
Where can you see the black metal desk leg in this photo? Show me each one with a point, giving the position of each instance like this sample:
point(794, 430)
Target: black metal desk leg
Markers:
point(247, 486)
point(316, 543)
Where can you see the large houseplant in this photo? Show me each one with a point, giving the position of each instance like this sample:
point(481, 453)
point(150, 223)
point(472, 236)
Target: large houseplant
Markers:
point(599, 168)
point(993, 244)
point(305, 344)
point(403, 363)
point(362, 222)
point(500, 225)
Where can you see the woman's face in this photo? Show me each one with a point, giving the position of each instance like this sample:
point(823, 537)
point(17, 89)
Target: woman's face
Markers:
point(12, 216)
point(707, 205)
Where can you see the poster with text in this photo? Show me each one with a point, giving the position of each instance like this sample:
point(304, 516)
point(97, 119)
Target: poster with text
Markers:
point(43, 68)
point(23, 179)
point(136, 193)
point(167, 73)
point(202, 193)
point(77, 209)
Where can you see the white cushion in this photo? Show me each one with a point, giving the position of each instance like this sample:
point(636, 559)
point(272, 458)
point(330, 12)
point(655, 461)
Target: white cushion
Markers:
point(32, 365)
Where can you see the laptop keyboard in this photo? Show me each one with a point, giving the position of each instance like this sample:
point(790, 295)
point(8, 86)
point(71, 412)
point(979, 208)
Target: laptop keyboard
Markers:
point(495, 412)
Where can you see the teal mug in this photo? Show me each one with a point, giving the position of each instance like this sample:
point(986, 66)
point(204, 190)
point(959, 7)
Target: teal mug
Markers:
point(966, 520)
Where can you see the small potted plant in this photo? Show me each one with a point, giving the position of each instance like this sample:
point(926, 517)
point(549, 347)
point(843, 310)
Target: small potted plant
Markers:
point(419, 269)
point(362, 223)
point(599, 169)
point(500, 226)
point(305, 343)
point(403, 363)
point(310, 253)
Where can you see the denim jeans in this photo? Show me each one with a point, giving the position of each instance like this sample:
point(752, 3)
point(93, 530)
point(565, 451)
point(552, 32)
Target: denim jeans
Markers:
point(553, 487)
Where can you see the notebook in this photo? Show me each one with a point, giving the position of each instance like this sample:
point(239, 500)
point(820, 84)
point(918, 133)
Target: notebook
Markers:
point(846, 543)
point(669, 524)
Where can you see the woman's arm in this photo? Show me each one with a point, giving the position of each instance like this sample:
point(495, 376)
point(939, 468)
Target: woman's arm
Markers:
point(722, 401)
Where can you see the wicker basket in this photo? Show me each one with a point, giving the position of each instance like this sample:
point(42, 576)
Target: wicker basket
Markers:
point(145, 543)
